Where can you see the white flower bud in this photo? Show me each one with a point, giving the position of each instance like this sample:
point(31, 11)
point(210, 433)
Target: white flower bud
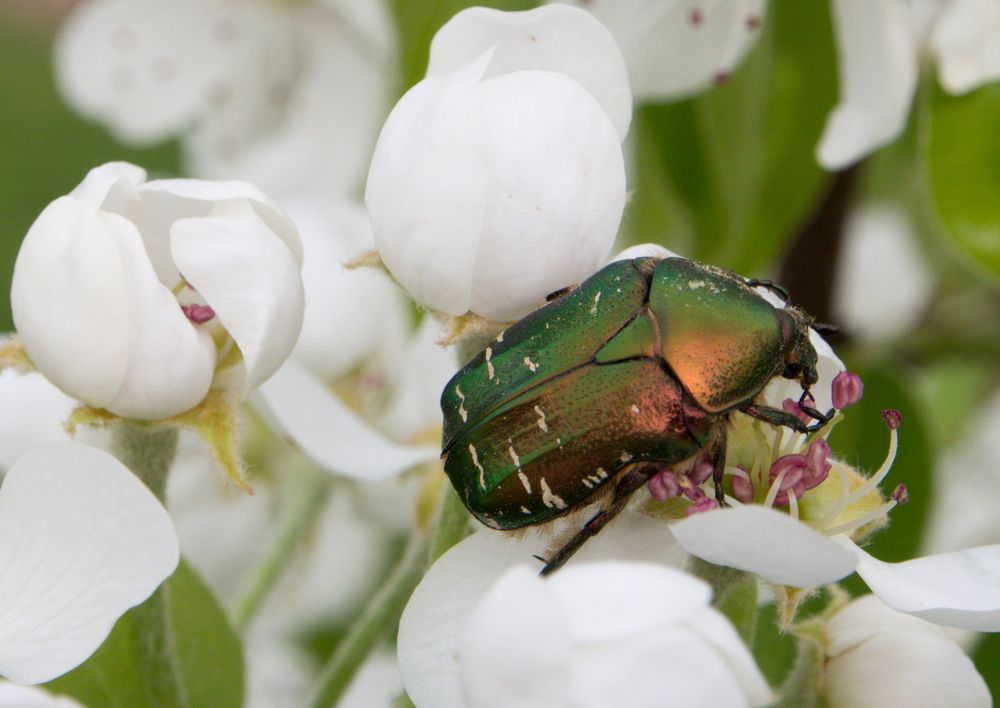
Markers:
point(488, 191)
point(131, 295)
point(879, 657)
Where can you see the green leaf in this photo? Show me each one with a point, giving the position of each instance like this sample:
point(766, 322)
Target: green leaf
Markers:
point(862, 440)
point(987, 660)
point(962, 139)
point(729, 176)
point(208, 655)
point(417, 22)
point(46, 150)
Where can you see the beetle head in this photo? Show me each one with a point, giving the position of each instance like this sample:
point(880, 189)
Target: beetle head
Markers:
point(799, 353)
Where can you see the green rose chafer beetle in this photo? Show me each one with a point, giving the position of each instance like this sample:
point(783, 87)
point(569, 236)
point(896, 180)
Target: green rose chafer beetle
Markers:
point(635, 370)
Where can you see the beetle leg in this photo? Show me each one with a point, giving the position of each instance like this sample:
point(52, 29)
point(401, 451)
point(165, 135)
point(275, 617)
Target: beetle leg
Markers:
point(630, 482)
point(719, 468)
point(778, 417)
point(773, 287)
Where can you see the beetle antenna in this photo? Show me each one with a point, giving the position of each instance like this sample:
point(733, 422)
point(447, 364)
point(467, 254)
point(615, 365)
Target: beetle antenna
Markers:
point(773, 287)
point(824, 329)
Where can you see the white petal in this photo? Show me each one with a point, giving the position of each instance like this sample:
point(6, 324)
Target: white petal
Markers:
point(658, 596)
point(346, 311)
point(322, 138)
point(514, 649)
point(551, 38)
point(645, 250)
point(69, 301)
point(766, 542)
point(966, 41)
point(110, 186)
point(196, 197)
point(423, 370)
point(377, 683)
point(330, 433)
point(15, 696)
point(487, 197)
point(434, 617)
point(677, 48)
point(148, 69)
point(84, 540)
point(958, 589)
point(32, 411)
point(672, 667)
point(883, 281)
point(867, 617)
point(905, 668)
point(249, 277)
point(719, 632)
point(170, 360)
point(878, 70)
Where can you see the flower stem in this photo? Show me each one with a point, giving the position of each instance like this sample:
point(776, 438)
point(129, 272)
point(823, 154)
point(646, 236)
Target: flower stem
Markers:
point(307, 492)
point(379, 615)
point(386, 607)
point(803, 686)
point(149, 451)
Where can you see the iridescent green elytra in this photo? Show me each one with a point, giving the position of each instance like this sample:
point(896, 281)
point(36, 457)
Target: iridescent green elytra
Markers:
point(633, 371)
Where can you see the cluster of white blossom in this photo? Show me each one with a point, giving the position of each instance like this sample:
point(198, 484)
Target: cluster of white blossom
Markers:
point(497, 179)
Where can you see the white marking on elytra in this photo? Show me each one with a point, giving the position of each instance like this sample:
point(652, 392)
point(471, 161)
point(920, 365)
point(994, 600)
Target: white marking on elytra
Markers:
point(513, 455)
point(541, 420)
point(602, 473)
point(635, 409)
point(626, 457)
point(525, 509)
point(587, 483)
point(525, 481)
point(597, 298)
point(500, 336)
point(530, 364)
point(549, 499)
point(489, 364)
point(594, 478)
point(461, 406)
point(475, 461)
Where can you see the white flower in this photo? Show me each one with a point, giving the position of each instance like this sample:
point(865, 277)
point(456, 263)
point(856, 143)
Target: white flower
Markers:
point(594, 634)
point(675, 48)
point(878, 657)
point(13, 695)
point(966, 41)
point(883, 282)
point(878, 75)
point(500, 182)
point(133, 296)
point(32, 411)
point(963, 513)
point(956, 589)
point(288, 95)
point(352, 317)
point(878, 43)
point(84, 541)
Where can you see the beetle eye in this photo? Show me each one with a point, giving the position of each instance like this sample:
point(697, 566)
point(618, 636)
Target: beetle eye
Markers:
point(792, 371)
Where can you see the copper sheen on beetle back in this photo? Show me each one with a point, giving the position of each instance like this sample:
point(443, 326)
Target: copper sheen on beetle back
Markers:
point(634, 371)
